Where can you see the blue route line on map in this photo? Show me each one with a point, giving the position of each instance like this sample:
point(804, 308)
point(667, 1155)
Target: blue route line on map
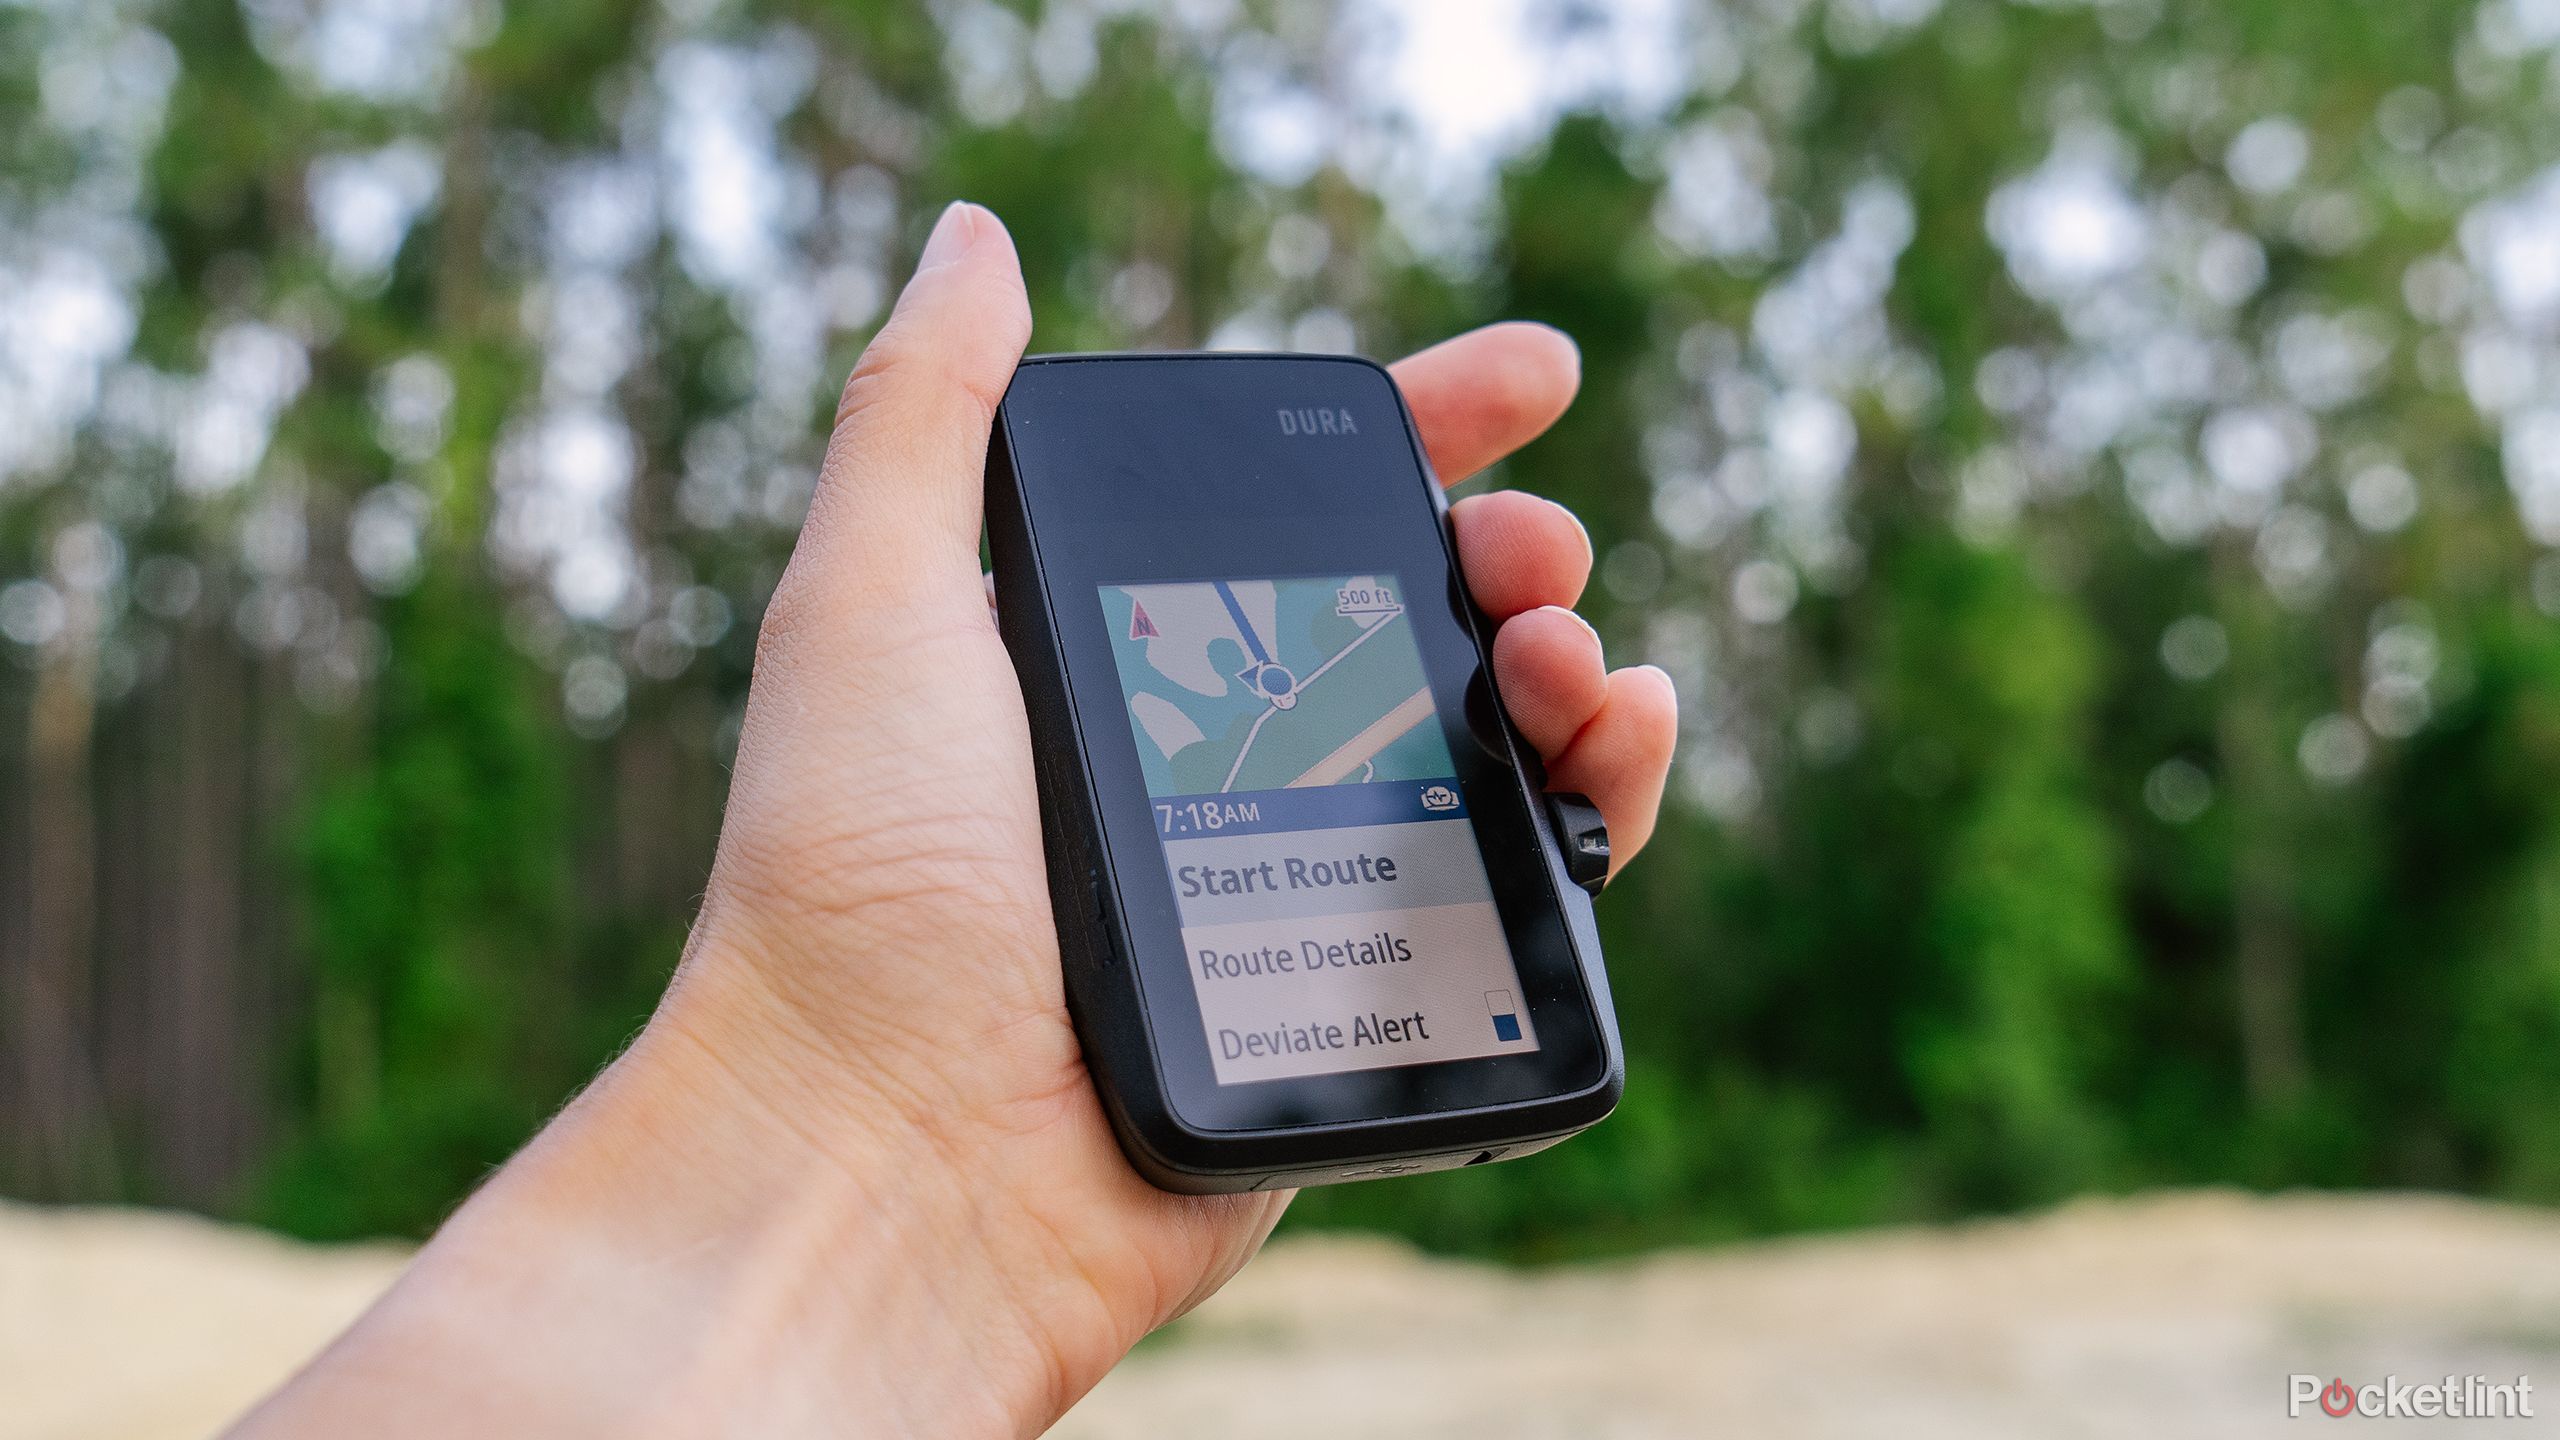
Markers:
point(1237, 611)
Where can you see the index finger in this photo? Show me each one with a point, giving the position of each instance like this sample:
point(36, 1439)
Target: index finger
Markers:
point(1479, 396)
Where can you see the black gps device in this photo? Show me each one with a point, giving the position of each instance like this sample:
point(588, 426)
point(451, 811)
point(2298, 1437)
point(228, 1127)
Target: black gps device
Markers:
point(1319, 919)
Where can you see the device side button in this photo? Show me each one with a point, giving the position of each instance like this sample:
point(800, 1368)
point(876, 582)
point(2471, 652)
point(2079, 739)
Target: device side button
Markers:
point(1584, 836)
point(1106, 944)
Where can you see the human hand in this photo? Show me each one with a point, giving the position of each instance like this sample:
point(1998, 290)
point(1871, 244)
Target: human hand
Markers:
point(853, 1175)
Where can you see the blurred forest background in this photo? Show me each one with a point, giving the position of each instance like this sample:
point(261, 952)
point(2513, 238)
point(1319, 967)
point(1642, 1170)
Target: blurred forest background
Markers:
point(2092, 468)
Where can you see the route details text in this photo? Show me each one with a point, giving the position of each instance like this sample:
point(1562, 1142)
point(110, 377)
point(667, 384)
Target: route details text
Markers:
point(1335, 910)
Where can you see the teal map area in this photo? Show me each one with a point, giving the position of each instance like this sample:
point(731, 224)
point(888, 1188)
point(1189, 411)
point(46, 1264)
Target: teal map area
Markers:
point(1270, 684)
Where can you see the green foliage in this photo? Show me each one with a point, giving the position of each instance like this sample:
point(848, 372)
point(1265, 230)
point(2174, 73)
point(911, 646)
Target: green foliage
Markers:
point(1986, 683)
point(436, 909)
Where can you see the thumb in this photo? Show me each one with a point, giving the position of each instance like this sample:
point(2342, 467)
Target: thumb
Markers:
point(895, 517)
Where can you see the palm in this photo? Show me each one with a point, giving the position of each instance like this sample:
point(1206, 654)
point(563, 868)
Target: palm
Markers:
point(899, 881)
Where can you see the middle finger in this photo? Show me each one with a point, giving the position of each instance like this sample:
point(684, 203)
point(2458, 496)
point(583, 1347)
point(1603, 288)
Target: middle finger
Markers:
point(1520, 552)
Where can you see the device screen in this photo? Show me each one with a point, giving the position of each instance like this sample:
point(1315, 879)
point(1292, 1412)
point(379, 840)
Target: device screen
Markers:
point(1335, 910)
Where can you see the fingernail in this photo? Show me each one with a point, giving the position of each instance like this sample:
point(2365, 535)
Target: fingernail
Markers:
point(1575, 616)
point(951, 237)
point(1587, 548)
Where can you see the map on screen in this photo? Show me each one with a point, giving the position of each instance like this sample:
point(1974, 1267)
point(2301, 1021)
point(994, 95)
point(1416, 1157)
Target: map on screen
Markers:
point(1274, 684)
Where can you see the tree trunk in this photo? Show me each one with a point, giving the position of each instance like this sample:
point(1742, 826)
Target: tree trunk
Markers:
point(67, 1153)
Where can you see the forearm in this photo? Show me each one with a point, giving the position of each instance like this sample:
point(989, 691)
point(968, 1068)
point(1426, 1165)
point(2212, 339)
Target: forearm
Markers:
point(667, 1258)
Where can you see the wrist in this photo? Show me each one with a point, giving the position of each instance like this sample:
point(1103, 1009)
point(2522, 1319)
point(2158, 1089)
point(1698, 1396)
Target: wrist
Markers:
point(684, 1252)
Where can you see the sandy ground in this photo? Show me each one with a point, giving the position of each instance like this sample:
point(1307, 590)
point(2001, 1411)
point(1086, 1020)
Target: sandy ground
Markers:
point(2170, 1315)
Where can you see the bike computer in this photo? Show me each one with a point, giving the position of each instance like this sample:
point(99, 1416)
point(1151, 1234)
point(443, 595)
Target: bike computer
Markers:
point(1319, 921)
